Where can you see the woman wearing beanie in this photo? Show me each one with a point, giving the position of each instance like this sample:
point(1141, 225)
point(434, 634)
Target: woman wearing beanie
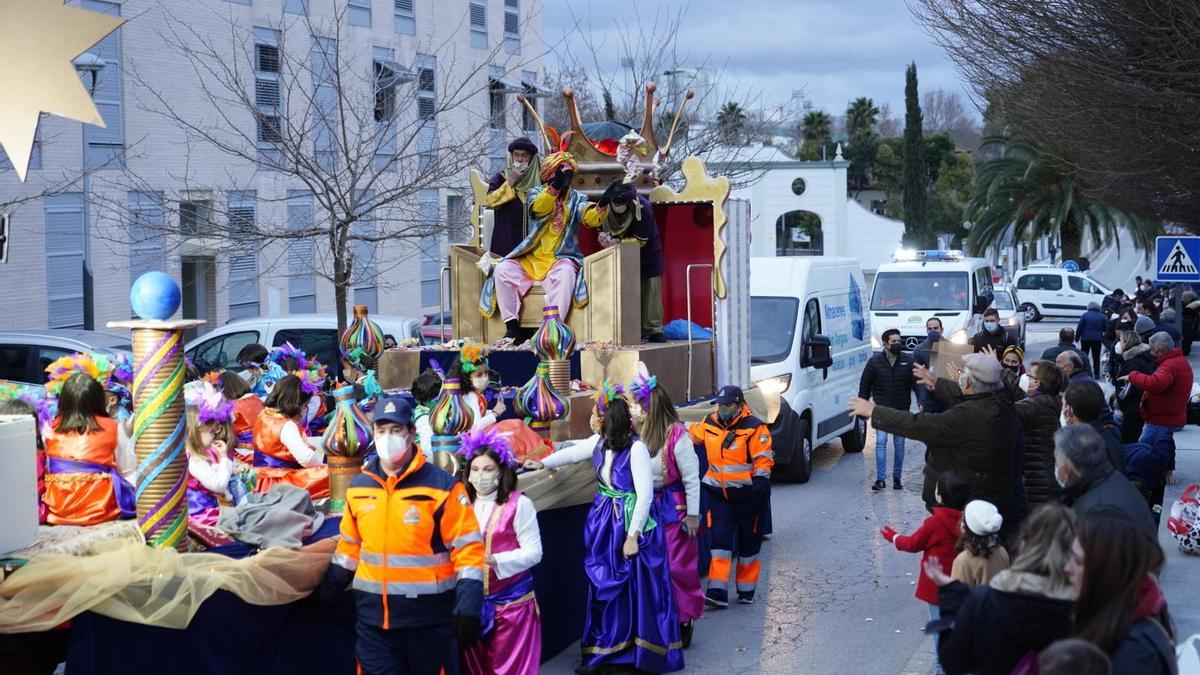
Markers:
point(980, 555)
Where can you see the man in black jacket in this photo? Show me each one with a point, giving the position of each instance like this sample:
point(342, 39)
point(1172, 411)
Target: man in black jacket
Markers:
point(1066, 343)
point(1090, 483)
point(992, 334)
point(888, 379)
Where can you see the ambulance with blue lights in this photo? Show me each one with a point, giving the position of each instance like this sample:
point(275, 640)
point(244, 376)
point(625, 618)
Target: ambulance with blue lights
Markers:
point(920, 285)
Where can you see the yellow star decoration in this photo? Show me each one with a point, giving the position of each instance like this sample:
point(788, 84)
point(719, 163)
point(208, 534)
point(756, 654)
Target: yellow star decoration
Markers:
point(38, 40)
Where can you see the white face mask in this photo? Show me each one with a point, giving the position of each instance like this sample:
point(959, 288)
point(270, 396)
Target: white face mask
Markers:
point(1057, 479)
point(479, 383)
point(393, 448)
point(620, 208)
point(1118, 348)
point(485, 484)
point(1062, 420)
point(520, 166)
point(1024, 383)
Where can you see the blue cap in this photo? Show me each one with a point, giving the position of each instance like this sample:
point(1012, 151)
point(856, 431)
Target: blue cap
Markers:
point(729, 394)
point(395, 410)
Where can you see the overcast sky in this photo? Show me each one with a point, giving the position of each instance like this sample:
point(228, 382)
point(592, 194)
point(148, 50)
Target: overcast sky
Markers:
point(835, 50)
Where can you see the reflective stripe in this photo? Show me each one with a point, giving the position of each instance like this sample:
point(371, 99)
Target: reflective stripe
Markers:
point(731, 468)
point(763, 473)
point(410, 590)
point(405, 560)
point(724, 555)
point(717, 582)
point(471, 573)
point(344, 561)
point(746, 560)
point(727, 482)
point(768, 453)
point(351, 540)
point(468, 538)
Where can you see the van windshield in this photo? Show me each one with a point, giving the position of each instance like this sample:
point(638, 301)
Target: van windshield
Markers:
point(928, 290)
point(774, 321)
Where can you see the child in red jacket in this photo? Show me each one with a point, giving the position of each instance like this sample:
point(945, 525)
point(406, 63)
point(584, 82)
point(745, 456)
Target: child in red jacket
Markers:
point(937, 537)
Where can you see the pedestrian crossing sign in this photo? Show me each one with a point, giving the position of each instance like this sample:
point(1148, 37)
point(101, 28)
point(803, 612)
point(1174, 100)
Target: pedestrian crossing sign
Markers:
point(1177, 259)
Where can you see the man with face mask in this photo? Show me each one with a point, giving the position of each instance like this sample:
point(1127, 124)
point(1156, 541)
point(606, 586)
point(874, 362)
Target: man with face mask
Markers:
point(548, 255)
point(627, 216)
point(737, 487)
point(888, 380)
point(1089, 481)
point(923, 355)
point(406, 520)
point(508, 194)
point(976, 435)
point(992, 334)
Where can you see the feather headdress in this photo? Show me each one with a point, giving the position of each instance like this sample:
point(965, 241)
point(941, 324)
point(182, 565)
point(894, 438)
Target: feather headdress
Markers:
point(643, 385)
point(607, 393)
point(210, 405)
point(473, 442)
point(472, 356)
point(96, 367)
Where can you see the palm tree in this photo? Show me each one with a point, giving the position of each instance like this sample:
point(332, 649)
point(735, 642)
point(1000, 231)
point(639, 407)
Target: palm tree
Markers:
point(817, 126)
point(861, 115)
point(731, 119)
point(1027, 192)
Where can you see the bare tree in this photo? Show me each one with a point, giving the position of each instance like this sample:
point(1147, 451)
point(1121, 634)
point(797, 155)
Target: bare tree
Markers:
point(1111, 86)
point(363, 136)
point(646, 48)
point(888, 125)
point(944, 110)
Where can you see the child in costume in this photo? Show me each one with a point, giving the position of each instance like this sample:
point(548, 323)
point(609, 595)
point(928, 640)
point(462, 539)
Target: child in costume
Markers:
point(209, 442)
point(472, 366)
point(631, 619)
point(253, 358)
point(246, 409)
point(281, 453)
point(425, 389)
point(85, 457)
point(511, 639)
point(675, 465)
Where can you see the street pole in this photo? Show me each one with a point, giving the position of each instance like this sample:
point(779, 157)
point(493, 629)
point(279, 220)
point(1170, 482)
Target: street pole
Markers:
point(1179, 309)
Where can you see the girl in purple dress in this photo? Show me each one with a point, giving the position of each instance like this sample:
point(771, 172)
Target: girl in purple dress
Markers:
point(631, 619)
point(511, 637)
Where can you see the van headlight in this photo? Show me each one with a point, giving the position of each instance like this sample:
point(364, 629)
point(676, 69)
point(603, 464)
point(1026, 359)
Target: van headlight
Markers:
point(959, 337)
point(775, 386)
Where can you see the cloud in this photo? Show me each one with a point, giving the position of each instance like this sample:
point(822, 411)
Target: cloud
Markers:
point(834, 51)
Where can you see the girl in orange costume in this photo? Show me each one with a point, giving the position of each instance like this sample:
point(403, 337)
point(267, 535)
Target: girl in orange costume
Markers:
point(85, 459)
point(246, 409)
point(281, 453)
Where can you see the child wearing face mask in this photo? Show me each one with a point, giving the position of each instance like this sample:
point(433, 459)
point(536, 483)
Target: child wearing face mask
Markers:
point(212, 471)
point(281, 452)
point(511, 638)
point(472, 366)
point(412, 548)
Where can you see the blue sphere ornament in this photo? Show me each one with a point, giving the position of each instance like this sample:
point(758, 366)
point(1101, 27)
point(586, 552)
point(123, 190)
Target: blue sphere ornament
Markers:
point(155, 295)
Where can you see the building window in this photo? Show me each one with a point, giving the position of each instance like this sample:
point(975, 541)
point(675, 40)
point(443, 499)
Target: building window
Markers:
point(478, 13)
point(405, 18)
point(426, 110)
point(529, 82)
point(299, 7)
point(268, 99)
point(243, 268)
point(302, 279)
point(146, 236)
point(359, 12)
point(496, 94)
point(387, 76)
point(431, 247)
point(512, 26)
point(195, 216)
point(65, 248)
point(458, 219)
point(105, 146)
point(323, 63)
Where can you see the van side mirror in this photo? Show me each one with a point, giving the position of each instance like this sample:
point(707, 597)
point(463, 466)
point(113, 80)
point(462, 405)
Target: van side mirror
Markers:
point(818, 352)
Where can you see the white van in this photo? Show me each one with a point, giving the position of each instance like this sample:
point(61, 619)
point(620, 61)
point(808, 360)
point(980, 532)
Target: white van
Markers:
point(920, 285)
point(315, 334)
point(808, 345)
point(1049, 290)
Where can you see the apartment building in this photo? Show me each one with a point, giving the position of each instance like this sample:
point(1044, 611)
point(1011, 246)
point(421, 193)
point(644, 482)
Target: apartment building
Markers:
point(146, 189)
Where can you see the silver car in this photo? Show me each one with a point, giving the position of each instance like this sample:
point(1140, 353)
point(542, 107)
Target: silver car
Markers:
point(24, 354)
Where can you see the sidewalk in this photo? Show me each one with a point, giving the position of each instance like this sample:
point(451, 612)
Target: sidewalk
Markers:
point(1181, 578)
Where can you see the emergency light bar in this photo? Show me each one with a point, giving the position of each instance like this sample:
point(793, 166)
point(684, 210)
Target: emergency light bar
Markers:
point(910, 255)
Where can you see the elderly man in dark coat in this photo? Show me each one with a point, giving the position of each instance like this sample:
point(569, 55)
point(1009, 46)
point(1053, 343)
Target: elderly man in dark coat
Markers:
point(977, 435)
point(629, 217)
point(508, 193)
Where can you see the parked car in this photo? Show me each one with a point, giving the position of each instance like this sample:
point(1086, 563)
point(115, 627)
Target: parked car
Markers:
point(316, 334)
point(1011, 316)
point(1046, 290)
point(436, 328)
point(810, 342)
point(24, 354)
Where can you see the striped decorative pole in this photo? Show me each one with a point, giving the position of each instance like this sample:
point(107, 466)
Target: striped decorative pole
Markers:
point(158, 420)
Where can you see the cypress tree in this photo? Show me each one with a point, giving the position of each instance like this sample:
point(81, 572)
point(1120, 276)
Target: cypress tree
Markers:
point(915, 175)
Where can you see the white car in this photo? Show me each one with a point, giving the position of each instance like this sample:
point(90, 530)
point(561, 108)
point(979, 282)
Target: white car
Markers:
point(24, 354)
point(1049, 291)
point(1012, 319)
point(810, 341)
point(315, 334)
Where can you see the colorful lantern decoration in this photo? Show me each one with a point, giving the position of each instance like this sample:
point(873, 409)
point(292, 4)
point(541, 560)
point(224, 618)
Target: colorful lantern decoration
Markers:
point(449, 418)
point(348, 434)
point(363, 338)
point(554, 342)
point(540, 402)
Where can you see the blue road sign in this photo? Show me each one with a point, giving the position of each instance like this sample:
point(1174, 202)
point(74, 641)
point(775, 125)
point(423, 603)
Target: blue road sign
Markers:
point(1070, 266)
point(1177, 259)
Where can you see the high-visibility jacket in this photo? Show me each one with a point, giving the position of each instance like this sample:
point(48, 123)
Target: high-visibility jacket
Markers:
point(736, 452)
point(412, 546)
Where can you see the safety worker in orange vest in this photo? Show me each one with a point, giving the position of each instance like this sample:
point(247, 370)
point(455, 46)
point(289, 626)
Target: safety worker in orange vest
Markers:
point(737, 485)
point(411, 544)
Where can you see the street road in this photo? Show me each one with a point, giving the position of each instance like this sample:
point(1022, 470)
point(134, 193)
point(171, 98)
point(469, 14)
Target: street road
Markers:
point(835, 597)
